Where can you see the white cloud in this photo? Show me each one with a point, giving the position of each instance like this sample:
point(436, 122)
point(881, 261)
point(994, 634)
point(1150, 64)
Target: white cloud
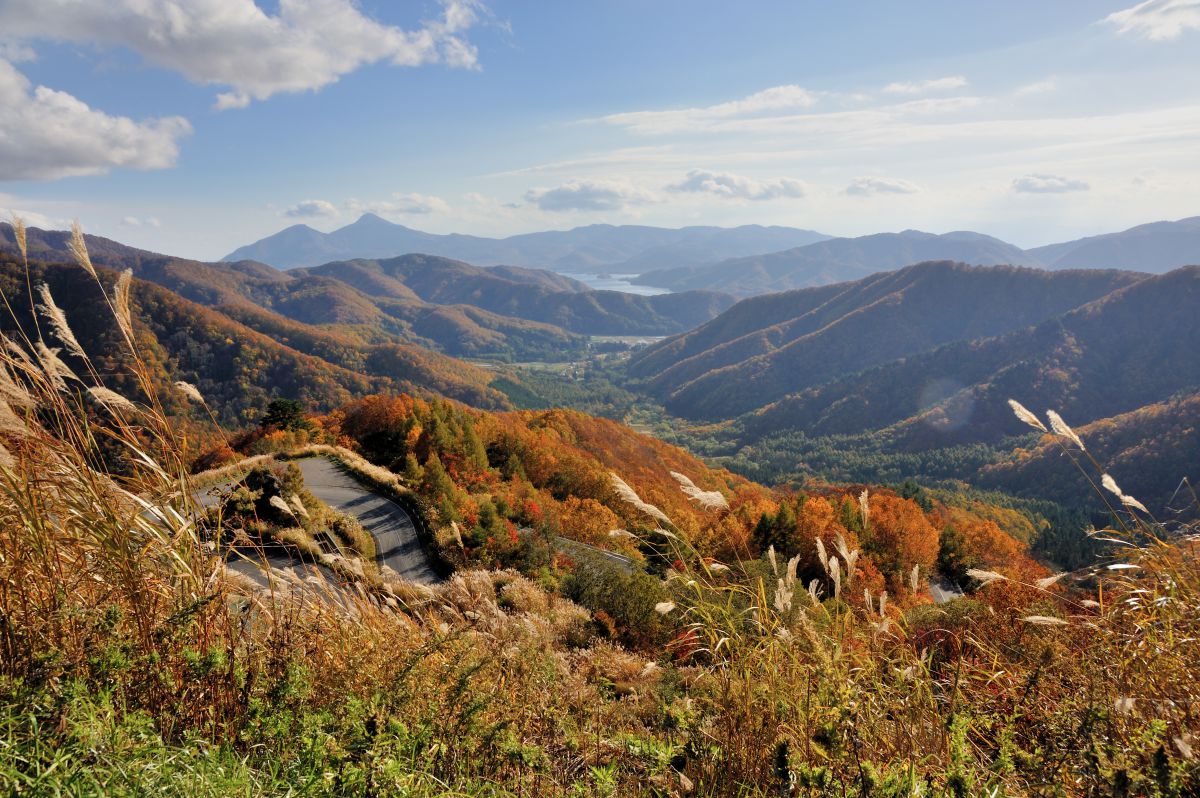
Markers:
point(1048, 184)
point(31, 218)
point(866, 186)
point(47, 134)
point(589, 195)
point(306, 45)
point(1158, 19)
point(1037, 87)
point(927, 86)
point(135, 221)
point(311, 209)
point(731, 186)
point(777, 98)
point(400, 205)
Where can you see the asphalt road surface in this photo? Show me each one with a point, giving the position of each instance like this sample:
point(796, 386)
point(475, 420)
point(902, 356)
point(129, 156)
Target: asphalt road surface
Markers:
point(396, 543)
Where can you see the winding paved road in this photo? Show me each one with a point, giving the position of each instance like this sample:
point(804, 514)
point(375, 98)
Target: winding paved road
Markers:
point(397, 545)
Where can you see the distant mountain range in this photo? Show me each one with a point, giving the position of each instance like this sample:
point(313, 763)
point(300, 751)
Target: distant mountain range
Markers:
point(622, 249)
point(910, 371)
point(837, 260)
point(437, 303)
point(743, 261)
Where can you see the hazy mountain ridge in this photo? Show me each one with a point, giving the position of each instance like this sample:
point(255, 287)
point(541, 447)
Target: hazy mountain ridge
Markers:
point(744, 261)
point(454, 306)
point(1154, 247)
point(851, 327)
point(838, 260)
point(595, 247)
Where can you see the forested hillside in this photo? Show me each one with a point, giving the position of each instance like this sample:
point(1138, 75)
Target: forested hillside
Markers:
point(236, 367)
point(784, 343)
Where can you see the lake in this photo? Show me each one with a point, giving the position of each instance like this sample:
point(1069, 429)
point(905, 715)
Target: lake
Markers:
point(615, 282)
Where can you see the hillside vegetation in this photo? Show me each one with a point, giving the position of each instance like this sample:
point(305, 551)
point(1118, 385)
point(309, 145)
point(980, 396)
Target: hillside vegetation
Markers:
point(237, 368)
point(504, 313)
point(135, 663)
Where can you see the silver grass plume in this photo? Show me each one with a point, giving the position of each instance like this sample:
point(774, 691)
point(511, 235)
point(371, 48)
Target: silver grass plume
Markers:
point(864, 506)
point(1024, 414)
point(629, 496)
point(79, 250)
point(835, 573)
point(1044, 620)
point(1111, 486)
point(986, 577)
point(58, 322)
point(121, 302)
point(13, 393)
point(1047, 581)
point(1063, 430)
point(824, 559)
point(1129, 501)
point(279, 504)
point(792, 566)
point(814, 590)
point(771, 557)
point(190, 391)
point(783, 598)
point(708, 499)
point(457, 534)
point(53, 366)
point(914, 578)
point(10, 422)
point(111, 399)
point(839, 543)
point(6, 458)
point(621, 533)
point(851, 561)
point(18, 226)
point(882, 602)
point(298, 506)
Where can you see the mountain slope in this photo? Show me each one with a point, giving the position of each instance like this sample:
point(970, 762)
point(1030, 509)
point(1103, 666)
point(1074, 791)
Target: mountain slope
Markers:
point(595, 247)
point(838, 260)
point(1131, 348)
point(1157, 247)
point(767, 347)
point(423, 299)
point(1148, 450)
point(237, 368)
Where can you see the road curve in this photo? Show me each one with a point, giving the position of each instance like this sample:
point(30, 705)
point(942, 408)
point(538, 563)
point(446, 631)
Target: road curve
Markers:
point(397, 544)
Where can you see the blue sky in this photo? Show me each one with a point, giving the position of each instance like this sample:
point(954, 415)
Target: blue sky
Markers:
point(194, 126)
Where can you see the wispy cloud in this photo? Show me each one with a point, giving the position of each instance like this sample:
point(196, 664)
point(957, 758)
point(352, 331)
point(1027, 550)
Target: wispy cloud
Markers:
point(1037, 87)
point(772, 100)
point(589, 195)
point(731, 186)
point(311, 209)
point(137, 221)
point(307, 44)
point(866, 186)
point(400, 204)
point(1048, 184)
point(1158, 19)
point(47, 134)
point(926, 86)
